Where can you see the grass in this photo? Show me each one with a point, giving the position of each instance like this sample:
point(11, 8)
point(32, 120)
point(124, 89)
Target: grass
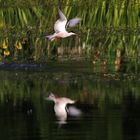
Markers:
point(107, 25)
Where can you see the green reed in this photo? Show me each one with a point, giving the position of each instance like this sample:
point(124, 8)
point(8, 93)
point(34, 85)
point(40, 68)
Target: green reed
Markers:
point(108, 25)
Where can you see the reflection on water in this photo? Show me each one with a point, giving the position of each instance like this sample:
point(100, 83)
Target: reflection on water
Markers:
point(109, 103)
point(64, 107)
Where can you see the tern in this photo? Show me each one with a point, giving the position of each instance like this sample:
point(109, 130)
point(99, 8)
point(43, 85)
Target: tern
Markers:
point(60, 107)
point(61, 25)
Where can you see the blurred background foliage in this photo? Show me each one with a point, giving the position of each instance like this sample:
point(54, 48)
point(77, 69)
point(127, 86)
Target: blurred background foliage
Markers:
point(109, 30)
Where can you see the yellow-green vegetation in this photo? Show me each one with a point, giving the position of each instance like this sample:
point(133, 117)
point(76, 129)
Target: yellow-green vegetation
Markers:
point(107, 25)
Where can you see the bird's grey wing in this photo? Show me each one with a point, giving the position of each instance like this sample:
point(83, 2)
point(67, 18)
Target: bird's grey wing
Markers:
point(61, 15)
point(73, 22)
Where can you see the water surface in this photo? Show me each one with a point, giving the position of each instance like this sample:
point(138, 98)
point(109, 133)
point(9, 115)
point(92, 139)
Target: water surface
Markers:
point(110, 102)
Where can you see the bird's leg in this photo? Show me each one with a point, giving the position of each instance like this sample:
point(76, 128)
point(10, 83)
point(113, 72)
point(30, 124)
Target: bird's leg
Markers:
point(57, 38)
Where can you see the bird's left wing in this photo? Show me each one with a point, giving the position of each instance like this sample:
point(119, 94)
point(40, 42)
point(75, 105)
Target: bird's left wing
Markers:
point(61, 15)
point(60, 24)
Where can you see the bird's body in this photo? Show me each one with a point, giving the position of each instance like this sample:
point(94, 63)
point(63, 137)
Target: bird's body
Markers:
point(60, 107)
point(60, 27)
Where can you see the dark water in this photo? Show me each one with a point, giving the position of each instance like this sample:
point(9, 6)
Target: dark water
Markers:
point(110, 102)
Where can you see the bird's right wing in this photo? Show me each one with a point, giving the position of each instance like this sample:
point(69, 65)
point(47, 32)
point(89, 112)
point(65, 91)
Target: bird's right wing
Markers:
point(73, 22)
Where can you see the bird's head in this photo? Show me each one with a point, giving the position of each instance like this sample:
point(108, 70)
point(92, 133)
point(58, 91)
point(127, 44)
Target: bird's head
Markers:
point(51, 97)
point(72, 33)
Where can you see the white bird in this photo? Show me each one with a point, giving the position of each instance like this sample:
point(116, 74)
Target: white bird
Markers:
point(60, 27)
point(60, 107)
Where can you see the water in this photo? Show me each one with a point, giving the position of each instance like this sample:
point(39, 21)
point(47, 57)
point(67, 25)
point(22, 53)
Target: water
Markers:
point(109, 101)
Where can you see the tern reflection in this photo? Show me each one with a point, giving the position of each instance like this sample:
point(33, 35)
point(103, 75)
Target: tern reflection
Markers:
point(64, 107)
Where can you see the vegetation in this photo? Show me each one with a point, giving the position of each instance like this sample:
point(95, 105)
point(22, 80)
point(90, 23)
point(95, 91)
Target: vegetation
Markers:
point(108, 34)
point(109, 27)
point(92, 89)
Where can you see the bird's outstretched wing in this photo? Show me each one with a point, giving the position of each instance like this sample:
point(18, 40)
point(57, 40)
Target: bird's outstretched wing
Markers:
point(73, 22)
point(61, 15)
point(60, 24)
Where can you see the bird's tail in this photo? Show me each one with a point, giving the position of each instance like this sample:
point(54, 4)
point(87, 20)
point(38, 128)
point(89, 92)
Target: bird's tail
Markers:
point(50, 37)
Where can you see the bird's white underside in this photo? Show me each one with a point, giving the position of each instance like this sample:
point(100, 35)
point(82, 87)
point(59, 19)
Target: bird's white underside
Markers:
point(60, 26)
